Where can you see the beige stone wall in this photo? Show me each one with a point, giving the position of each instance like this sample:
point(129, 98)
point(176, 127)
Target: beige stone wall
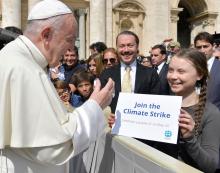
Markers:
point(152, 26)
point(157, 22)
point(217, 8)
point(129, 16)
point(204, 15)
point(24, 13)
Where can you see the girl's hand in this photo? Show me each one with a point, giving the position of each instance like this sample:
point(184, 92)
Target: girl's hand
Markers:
point(186, 124)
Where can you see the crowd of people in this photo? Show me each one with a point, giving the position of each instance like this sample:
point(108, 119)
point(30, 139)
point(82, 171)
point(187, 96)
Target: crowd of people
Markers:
point(42, 68)
point(168, 70)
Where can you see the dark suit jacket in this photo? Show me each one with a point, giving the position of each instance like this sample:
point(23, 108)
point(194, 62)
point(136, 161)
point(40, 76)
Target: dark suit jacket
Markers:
point(164, 86)
point(213, 94)
point(69, 71)
point(146, 81)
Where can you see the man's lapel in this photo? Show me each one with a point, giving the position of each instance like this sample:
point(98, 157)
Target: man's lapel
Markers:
point(138, 78)
point(117, 78)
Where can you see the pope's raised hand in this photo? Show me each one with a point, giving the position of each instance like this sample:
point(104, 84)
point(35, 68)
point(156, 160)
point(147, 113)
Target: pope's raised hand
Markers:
point(103, 96)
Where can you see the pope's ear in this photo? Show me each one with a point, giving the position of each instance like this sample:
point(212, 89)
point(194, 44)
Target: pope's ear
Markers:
point(46, 35)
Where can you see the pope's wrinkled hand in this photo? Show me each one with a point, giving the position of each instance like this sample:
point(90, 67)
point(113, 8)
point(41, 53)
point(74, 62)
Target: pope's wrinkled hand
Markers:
point(103, 96)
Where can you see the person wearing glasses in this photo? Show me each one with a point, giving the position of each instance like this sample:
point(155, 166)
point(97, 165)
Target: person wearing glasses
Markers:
point(110, 57)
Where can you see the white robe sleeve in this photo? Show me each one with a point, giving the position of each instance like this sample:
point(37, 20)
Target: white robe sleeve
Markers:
point(90, 125)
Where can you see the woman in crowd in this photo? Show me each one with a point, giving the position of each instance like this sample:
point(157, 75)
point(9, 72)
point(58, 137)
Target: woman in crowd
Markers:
point(199, 120)
point(95, 65)
point(110, 57)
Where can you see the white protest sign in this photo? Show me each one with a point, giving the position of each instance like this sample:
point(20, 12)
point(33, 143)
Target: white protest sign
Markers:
point(151, 117)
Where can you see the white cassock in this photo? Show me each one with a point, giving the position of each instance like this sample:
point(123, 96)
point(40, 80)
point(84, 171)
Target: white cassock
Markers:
point(37, 134)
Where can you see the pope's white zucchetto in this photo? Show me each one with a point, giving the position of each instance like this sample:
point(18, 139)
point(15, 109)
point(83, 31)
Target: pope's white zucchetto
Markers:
point(48, 8)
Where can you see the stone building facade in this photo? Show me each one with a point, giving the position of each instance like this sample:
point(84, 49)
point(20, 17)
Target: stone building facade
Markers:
point(152, 20)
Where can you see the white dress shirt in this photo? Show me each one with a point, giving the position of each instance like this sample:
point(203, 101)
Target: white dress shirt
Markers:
point(210, 63)
point(159, 67)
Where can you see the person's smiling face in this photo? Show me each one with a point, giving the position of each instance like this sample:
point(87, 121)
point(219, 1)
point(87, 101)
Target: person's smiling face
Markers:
point(127, 48)
point(182, 76)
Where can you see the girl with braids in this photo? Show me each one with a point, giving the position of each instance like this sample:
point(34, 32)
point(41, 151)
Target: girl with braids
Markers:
point(199, 120)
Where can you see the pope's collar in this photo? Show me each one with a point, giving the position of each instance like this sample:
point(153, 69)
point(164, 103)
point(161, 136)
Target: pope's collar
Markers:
point(37, 55)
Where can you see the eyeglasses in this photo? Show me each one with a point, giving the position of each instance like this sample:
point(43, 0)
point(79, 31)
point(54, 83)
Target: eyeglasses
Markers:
point(203, 46)
point(111, 60)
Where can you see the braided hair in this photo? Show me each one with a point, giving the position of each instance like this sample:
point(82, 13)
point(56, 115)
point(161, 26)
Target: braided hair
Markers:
point(198, 60)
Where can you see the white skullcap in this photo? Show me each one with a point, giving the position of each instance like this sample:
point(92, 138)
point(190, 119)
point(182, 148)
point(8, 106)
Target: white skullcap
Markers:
point(48, 8)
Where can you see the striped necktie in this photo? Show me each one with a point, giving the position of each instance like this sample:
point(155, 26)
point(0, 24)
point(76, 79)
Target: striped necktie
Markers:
point(126, 82)
point(155, 67)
